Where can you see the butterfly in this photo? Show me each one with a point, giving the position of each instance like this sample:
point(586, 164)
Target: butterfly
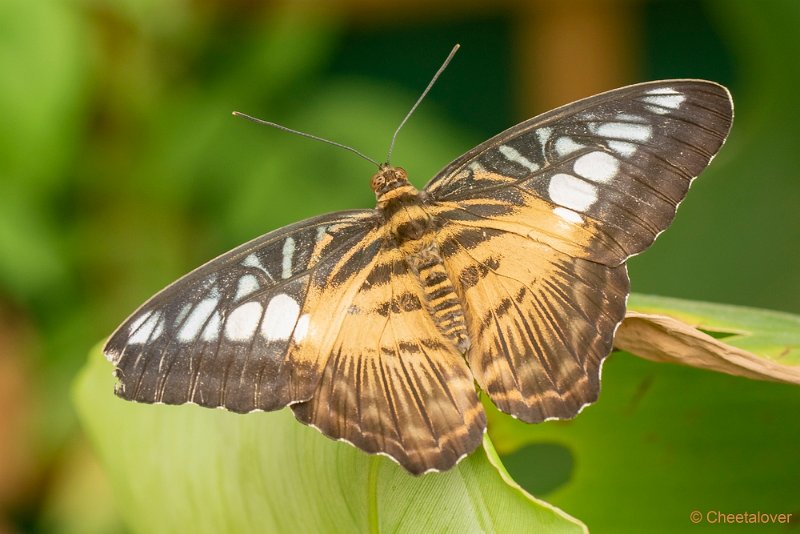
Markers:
point(504, 276)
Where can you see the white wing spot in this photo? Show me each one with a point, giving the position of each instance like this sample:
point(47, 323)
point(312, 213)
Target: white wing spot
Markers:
point(571, 192)
point(247, 284)
point(568, 215)
point(566, 145)
point(139, 320)
point(288, 253)
point(622, 148)
point(597, 166)
point(475, 167)
point(212, 329)
point(321, 231)
point(146, 328)
point(512, 154)
point(626, 131)
point(253, 261)
point(662, 104)
point(280, 318)
point(543, 135)
point(197, 318)
point(136, 327)
point(243, 321)
point(301, 329)
point(182, 314)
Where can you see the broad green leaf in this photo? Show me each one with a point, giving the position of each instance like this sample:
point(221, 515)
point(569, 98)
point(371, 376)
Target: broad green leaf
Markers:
point(191, 469)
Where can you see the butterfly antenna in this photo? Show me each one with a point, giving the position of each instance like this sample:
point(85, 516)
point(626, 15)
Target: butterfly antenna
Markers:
point(304, 134)
point(419, 100)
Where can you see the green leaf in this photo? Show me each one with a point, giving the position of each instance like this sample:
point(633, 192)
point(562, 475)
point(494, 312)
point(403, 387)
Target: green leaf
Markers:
point(191, 469)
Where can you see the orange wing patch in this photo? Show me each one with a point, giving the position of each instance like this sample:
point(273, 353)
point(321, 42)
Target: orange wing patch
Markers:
point(540, 321)
point(393, 383)
point(531, 217)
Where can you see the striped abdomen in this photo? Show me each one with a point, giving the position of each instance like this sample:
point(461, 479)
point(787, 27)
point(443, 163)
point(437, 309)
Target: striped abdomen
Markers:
point(442, 300)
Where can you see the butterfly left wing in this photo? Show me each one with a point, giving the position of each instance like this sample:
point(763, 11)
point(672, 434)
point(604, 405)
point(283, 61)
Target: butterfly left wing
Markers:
point(538, 221)
point(240, 332)
point(393, 384)
point(322, 315)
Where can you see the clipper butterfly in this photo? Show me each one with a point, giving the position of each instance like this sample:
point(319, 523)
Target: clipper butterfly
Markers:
point(506, 274)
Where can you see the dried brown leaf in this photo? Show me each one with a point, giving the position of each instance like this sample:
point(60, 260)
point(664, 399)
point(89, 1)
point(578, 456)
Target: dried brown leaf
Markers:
point(663, 339)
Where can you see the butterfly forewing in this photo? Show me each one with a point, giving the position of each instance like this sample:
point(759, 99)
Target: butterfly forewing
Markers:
point(236, 331)
point(599, 178)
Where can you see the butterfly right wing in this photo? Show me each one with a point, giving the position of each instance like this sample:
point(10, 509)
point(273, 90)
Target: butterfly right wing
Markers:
point(235, 332)
point(538, 221)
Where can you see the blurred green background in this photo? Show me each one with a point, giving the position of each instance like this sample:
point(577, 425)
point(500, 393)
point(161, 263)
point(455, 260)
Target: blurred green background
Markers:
point(121, 167)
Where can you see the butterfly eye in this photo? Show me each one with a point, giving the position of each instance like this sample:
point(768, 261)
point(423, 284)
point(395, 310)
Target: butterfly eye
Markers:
point(378, 181)
point(399, 174)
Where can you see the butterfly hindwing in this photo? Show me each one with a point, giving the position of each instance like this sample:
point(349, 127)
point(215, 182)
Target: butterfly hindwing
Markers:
point(393, 384)
point(235, 332)
point(599, 178)
point(540, 321)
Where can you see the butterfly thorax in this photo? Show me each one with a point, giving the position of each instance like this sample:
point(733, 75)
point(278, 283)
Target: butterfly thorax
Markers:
point(400, 203)
point(412, 230)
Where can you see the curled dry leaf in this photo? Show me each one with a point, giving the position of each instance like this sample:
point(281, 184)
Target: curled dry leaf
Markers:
point(664, 339)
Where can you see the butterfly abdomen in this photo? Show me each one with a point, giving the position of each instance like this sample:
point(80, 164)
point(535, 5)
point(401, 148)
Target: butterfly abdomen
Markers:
point(440, 295)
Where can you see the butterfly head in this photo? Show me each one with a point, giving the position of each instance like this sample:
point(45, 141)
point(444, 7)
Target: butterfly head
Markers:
point(388, 179)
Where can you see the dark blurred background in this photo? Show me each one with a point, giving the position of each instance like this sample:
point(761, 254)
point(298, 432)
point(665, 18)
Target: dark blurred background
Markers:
point(121, 167)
